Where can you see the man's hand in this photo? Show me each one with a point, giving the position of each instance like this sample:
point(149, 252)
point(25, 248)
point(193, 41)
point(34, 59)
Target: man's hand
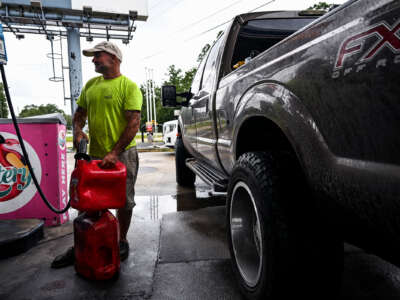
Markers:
point(78, 122)
point(109, 160)
point(133, 119)
point(78, 136)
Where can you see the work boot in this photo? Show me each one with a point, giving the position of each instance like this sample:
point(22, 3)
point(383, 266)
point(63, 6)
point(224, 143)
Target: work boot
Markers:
point(64, 260)
point(123, 250)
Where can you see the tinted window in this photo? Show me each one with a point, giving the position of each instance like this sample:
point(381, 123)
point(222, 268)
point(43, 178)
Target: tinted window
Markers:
point(211, 67)
point(195, 88)
point(272, 25)
point(256, 36)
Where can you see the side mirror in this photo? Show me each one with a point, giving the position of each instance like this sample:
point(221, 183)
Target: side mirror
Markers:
point(168, 95)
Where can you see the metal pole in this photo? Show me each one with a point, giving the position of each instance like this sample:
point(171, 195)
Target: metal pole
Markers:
point(75, 65)
point(150, 97)
point(147, 96)
point(154, 99)
point(147, 109)
point(149, 93)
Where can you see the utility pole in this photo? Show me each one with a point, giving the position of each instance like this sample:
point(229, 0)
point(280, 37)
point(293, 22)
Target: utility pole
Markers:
point(147, 98)
point(154, 99)
point(75, 66)
point(150, 96)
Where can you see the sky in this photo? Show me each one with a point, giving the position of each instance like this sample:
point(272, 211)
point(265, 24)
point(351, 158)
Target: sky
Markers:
point(174, 33)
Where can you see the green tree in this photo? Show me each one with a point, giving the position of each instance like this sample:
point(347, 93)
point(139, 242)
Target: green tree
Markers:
point(207, 47)
point(182, 80)
point(68, 118)
point(34, 110)
point(323, 6)
point(175, 76)
point(203, 52)
point(3, 103)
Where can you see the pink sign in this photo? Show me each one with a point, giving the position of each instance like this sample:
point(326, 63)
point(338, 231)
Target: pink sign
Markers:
point(46, 147)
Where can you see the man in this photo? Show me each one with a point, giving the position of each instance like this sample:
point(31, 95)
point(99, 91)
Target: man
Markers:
point(112, 105)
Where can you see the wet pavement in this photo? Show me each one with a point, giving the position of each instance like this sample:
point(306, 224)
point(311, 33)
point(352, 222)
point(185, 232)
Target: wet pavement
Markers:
point(195, 260)
point(178, 250)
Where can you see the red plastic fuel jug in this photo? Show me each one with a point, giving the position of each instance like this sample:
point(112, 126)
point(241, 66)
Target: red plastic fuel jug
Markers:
point(96, 237)
point(93, 188)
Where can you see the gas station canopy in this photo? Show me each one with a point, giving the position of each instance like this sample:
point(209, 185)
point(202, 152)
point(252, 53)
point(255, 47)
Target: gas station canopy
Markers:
point(51, 18)
point(61, 18)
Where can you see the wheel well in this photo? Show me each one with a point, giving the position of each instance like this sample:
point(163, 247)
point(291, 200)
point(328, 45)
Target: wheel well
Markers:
point(261, 134)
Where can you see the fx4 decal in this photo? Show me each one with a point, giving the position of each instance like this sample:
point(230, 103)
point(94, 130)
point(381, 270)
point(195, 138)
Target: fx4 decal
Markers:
point(387, 37)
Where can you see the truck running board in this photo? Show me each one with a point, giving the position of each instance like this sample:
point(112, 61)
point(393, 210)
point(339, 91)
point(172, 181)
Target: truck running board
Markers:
point(209, 175)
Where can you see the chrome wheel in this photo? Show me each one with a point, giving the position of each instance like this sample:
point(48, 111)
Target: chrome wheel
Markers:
point(246, 234)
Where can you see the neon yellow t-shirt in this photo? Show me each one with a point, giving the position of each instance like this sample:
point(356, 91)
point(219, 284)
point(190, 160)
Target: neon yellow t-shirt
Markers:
point(106, 101)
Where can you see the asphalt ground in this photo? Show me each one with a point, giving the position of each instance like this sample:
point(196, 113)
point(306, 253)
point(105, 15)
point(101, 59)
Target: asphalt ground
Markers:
point(178, 250)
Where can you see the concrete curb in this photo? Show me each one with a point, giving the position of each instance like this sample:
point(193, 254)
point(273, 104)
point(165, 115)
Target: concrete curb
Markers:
point(155, 150)
point(141, 147)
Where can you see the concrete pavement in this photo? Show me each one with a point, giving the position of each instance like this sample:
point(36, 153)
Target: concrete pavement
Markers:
point(142, 275)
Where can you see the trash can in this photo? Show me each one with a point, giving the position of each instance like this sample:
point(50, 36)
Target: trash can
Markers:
point(44, 138)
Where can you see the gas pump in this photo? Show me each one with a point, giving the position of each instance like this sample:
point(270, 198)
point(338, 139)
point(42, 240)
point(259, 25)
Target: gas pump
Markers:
point(3, 60)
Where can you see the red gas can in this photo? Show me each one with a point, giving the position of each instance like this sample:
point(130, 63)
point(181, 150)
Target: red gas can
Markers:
point(93, 188)
point(96, 237)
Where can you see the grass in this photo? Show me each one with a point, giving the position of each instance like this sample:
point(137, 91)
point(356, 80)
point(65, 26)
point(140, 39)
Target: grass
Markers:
point(156, 138)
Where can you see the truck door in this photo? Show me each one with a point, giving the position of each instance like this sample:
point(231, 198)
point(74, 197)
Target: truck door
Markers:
point(187, 113)
point(203, 109)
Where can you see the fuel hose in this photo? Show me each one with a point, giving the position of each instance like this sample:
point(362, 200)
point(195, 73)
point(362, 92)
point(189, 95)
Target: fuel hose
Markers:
point(21, 142)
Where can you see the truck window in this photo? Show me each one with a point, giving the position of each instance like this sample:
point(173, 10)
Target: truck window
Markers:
point(256, 36)
point(196, 83)
point(211, 67)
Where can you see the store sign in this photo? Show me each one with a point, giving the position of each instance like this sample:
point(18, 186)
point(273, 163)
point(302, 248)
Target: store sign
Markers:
point(16, 185)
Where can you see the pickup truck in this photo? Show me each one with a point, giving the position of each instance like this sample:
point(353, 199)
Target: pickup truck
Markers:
point(296, 117)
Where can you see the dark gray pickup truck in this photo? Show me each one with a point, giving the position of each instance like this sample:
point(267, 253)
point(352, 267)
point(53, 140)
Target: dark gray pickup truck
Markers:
point(296, 117)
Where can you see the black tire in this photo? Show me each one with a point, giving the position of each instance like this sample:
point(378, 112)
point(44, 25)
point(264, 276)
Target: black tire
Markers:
point(184, 176)
point(279, 248)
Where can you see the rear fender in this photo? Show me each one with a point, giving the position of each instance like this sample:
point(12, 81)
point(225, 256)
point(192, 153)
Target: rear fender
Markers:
point(277, 104)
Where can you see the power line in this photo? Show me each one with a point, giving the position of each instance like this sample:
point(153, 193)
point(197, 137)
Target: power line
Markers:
point(208, 30)
point(169, 8)
point(155, 54)
point(265, 4)
point(215, 27)
point(205, 18)
point(156, 4)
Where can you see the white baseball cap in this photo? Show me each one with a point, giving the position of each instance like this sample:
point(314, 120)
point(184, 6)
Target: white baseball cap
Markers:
point(106, 47)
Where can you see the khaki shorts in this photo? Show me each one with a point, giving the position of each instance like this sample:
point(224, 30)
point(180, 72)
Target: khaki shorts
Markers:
point(130, 159)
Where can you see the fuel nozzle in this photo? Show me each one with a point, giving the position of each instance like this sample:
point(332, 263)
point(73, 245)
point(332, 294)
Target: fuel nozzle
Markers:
point(81, 151)
point(82, 147)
